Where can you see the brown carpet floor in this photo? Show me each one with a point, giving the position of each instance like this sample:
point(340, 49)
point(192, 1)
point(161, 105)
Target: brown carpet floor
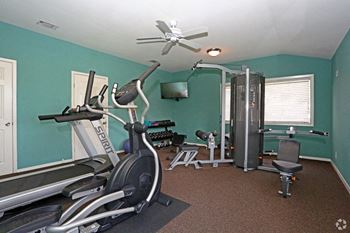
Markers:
point(226, 199)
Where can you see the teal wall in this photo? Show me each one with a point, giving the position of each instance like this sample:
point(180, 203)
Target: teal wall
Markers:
point(201, 110)
point(341, 107)
point(44, 66)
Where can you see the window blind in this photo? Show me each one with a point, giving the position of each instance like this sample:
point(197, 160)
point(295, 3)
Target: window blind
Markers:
point(227, 102)
point(289, 100)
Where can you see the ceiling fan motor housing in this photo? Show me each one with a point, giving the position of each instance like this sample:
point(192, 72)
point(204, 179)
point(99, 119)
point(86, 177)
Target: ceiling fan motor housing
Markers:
point(174, 35)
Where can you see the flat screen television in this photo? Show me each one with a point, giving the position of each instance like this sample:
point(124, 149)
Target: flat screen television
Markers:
point(174, 90)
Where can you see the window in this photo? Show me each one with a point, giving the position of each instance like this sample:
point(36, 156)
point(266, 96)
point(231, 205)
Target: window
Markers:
point(227, 101)
point(289, 100)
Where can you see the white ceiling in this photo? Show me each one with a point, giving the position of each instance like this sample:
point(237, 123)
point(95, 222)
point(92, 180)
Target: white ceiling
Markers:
point(243, 29)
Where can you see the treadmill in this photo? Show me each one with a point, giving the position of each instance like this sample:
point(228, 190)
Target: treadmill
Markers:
point(22, 190)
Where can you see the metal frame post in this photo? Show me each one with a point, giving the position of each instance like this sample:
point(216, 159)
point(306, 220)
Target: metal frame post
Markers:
point(246, 130)
point(223, 110)
point(223, 70)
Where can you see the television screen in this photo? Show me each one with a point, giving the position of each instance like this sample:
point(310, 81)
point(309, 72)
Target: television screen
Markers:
point(174, 90)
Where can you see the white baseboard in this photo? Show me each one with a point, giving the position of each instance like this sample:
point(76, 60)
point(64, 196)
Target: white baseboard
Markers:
point(307, 157)
point(196, 144)
point(347, 186)
point(341, 177)
point(315, 158)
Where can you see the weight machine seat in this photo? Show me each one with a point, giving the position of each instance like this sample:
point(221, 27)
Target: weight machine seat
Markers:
point(288, 167)
point(188, 147)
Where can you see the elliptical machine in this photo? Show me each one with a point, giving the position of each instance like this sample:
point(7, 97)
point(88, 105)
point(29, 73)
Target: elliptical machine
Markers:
point(132, 185)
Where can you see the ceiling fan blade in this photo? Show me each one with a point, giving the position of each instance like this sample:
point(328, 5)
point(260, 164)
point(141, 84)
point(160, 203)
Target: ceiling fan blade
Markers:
point(163, 26)
point(195, 33)
point(151, 41)
point(150, 38)
point(167, 47)
point(190, 44)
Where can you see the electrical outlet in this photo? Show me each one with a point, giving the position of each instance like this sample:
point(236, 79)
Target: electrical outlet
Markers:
point(336, 155)
point(337, 73)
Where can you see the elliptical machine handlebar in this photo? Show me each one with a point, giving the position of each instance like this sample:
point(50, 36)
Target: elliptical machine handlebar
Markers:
point(115, 102)
point(128, 93)
point(123, 97)
point(149, 71)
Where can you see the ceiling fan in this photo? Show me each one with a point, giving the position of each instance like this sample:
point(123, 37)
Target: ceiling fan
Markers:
point(174, 35)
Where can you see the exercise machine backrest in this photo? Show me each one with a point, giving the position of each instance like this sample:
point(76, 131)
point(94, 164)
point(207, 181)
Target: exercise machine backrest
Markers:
point(288, 150)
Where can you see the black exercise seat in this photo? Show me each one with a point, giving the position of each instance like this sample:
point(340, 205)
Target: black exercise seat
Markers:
point(288, 167)
point(287, 163)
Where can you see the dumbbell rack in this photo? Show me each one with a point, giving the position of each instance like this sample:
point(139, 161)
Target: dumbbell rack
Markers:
point(162, 137)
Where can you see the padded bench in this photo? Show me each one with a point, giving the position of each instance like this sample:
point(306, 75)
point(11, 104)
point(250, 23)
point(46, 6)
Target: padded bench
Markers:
point(287, 163)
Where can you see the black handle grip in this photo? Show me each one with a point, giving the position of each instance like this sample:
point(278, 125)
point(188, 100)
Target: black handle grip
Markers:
point(48, 117)
point(319, 132)
point(103, 90)
point(89, 86)
point(264, 130)
point(149, 71)
point(65, 110)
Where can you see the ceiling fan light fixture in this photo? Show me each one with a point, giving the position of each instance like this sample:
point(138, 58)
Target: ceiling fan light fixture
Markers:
point(214, 52)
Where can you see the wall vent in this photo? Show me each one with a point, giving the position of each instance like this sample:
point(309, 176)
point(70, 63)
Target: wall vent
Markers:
point(47, 25)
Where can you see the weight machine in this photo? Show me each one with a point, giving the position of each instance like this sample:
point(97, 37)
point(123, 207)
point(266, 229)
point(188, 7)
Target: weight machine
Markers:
point(240, 145)
point(187, 154)
point(224, 72)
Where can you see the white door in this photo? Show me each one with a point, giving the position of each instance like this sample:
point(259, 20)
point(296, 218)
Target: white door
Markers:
point(79, 82)
point(7, 83)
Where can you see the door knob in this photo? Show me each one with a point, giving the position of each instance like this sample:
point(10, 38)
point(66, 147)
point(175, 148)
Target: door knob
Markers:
point(8, 124)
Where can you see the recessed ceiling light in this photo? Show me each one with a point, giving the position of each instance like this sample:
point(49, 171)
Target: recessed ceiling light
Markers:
point(214, 52)
point(47, 24)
